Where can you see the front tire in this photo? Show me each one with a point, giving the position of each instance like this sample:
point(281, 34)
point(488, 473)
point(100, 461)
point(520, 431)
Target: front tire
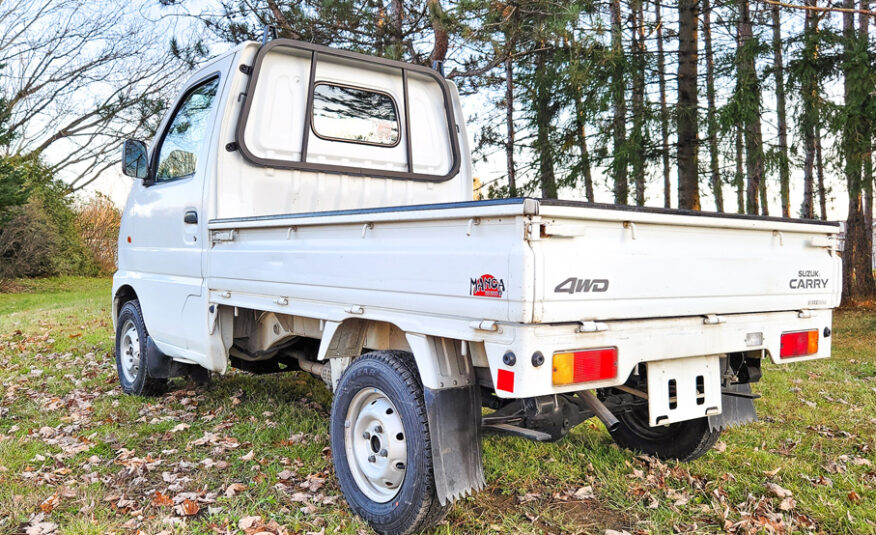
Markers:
point(381, 444)
point(683, 441)
point(132, 353)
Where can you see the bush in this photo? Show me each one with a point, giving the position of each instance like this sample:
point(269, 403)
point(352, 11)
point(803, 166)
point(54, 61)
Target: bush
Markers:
point(38, 237)
point(97, 223)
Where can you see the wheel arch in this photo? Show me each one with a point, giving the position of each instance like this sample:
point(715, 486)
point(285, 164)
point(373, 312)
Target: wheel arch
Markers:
point(123, 294)
point(441, 362)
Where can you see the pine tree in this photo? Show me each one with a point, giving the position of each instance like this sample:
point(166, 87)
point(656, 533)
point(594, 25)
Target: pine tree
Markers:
point(688, 183)
point(712, 122)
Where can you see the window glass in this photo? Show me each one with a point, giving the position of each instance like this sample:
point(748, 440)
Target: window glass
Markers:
point(357, 115)
point(178, 156)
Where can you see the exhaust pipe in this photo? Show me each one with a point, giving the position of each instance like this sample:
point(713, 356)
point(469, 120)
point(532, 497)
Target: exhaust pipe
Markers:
point(600, 410)
point(321, 370)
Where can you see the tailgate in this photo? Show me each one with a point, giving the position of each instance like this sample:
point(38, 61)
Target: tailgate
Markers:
point(604, 263)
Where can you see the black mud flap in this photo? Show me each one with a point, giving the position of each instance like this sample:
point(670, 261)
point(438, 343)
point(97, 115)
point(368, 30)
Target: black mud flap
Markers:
point(455, 429)
point(160, 366)
point(735, 410)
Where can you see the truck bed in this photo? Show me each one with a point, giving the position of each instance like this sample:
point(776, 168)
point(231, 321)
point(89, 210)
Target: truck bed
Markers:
point(530, 261)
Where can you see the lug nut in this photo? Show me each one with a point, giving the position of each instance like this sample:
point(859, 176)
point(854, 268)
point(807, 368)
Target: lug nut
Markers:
point(383, 452)
point(372, 459)
point(366, 435)
point(378, 429)
point(399, 466)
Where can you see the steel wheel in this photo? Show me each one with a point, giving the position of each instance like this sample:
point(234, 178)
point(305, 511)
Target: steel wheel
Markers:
point(129, 349)
point(374, 438)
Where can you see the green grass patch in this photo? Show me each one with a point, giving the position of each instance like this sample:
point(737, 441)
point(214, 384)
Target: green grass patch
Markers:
point(91, 460)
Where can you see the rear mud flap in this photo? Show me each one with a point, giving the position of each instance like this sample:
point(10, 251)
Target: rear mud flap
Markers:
point(735, 410)
point(159, 365)
point(455, 428)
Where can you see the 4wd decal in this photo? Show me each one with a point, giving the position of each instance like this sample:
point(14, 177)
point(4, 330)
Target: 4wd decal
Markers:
point(487, 286)
point(807, 280)
point(574, 285)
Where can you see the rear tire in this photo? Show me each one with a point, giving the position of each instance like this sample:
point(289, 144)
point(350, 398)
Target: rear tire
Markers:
point(381, 444)
point(683, 441)
point(132, 353)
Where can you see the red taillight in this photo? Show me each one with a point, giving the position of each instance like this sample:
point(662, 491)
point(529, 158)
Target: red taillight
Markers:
point(799, 344)
point(584, 366)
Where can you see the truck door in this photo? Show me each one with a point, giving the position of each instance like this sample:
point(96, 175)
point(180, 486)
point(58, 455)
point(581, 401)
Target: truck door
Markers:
point(168, 223)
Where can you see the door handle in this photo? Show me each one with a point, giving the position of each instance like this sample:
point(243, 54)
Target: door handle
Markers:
point(191, 217)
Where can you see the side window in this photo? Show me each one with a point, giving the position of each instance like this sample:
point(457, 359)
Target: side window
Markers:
point(182, 141)
point(343, 113)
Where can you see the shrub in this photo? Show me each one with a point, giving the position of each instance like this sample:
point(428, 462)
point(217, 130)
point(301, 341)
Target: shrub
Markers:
point(97, 223)
point(38, 237)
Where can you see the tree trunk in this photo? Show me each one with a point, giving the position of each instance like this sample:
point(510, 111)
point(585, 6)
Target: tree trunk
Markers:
point(509, 125)
point(819, 171)
point(581, 123)
point(688, 184)
point(664, 109)
point(779, 71)
point(618, 86)
point(739, 177)
point(858, 282)
point(714, 170)
point(749, 94)
point(442, 40)
point(808, 121)
point(544, 120)
point(637, 139)
point(866, 148)
point(396, 48)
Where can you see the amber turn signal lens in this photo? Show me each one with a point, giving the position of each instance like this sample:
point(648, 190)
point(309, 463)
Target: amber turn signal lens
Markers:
point(799, 344)
point(584, 366)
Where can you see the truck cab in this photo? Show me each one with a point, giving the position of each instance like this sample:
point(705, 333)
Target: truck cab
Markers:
point(306, 208)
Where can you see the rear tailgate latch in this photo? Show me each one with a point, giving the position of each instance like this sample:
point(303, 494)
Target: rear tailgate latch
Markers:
point(824, 242)
point(713, 319)
point(591, 327)
point(222, 235)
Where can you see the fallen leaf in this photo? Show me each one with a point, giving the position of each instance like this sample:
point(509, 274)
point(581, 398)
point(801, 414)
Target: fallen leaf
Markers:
point(720, 446)
point(161, 500)
point(584, 493)
point(528, 497)
point(247, 522)
point(50, 503)
point(772, 472)
point(778, 491)
point(233, 489)
point(249, 456)
point(788, 504)
point(190, 507)
point(854, 498)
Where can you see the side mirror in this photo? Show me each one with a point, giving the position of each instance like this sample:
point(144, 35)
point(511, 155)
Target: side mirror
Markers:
point(135, 159)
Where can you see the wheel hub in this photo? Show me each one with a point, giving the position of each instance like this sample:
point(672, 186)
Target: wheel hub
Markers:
point(129, 351)
point(375, 444)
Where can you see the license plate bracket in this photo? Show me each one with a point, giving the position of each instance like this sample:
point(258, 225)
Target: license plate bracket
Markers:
point(683, 389)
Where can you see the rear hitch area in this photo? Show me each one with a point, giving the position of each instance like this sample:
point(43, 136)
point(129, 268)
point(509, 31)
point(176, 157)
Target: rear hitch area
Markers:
point(545, 418)
point(551, 417)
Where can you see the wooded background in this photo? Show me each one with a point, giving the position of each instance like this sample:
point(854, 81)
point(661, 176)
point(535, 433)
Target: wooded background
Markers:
point(731, 106)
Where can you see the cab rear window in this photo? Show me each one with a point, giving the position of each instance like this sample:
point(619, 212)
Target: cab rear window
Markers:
point(354, 115)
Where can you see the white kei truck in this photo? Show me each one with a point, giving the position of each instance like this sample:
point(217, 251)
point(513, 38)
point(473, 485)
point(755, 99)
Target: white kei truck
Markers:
point(306, 208)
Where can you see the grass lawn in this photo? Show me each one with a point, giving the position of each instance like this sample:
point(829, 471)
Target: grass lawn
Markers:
point(78, 456)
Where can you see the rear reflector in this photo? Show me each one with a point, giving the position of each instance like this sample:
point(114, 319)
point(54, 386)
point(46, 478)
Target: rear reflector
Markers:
point(799, 344)
point(583, 366)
